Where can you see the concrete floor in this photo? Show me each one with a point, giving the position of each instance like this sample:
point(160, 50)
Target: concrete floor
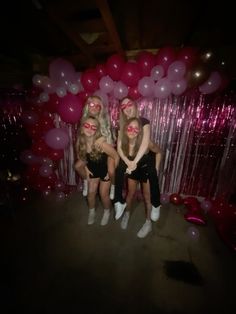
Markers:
point(53, 262)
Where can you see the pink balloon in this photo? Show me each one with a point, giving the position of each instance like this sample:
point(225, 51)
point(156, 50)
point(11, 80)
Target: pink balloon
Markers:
point(130, 74)
point(212, 84)
point(206, 205)
point(165, 199)
point(70, 108)
point(188, 55)
point(89, 80)
point(157, 72)
point(61, 72)
point(114, 66)
point(146, 86)
point(145, 62)
point(177, 88)
point(162, 88)
point(106, 84)
point(134, 93)
point(120, 90)
point(176, 71)
point(165, 56)
point(57, 139)
point(103, 96)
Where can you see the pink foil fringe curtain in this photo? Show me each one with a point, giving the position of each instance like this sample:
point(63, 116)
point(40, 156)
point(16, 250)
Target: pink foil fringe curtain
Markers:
point(197, 135)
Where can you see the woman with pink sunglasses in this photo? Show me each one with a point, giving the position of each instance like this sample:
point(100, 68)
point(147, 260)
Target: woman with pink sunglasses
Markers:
point(96, 170)
point(128, 110)
point(132, 135)
point(94, 108)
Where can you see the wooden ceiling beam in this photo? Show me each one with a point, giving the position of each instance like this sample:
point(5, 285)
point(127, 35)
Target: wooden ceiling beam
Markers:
point(110, 25)
point(70, 33)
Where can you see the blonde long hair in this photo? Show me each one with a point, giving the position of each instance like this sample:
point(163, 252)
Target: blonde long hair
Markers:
point(122, 117)
point(81, 143)
point(102, 117)
point(125, 139)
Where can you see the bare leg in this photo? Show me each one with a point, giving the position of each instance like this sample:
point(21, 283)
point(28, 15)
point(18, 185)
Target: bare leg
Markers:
point(132, 186)
point(104, 194)
point(111, 169)
point(147, 199)
point(92, 191)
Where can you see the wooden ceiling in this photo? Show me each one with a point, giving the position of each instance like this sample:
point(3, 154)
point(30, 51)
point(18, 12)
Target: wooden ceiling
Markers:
point(87, 32)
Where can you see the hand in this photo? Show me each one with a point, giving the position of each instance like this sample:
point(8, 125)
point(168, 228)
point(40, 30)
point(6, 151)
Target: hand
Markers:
point(107, 178)
point(88, 173)
point(132, 165)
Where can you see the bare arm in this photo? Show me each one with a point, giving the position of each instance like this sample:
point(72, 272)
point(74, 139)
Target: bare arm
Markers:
point(110, 151)
point(120, 151)
point(145, 143)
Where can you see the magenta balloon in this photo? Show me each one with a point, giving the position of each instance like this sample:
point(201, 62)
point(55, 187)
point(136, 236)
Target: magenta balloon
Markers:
point(146, 86)
point(89, 80)
point(157, 72)
point(188, 55)
point(212, 84)
point(120, 90)
point(165, 56)
point(162, 88)
point(57, 138)
point(178, 87)
point(145, 62)
point(106, 84)
point(61, 72)
point(176, 71)
point(130, 74)
point(45, 170)
point(70, 108)
point(101, 70)
point(134, 93)
point(114, 66)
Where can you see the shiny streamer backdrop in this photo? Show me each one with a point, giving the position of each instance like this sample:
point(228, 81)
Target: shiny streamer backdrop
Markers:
point(195, 132)
point(197, 135)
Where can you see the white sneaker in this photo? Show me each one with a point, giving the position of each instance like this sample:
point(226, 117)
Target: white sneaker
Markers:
point(125, 220)
point(119, 209)
point(91, 216)
point(85, 188)
point(155, 213)
point(112, 192)
point(146, 228)
point(105, 217)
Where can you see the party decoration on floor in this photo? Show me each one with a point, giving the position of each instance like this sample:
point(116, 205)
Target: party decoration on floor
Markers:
point(176, 199)
point(194, 212)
